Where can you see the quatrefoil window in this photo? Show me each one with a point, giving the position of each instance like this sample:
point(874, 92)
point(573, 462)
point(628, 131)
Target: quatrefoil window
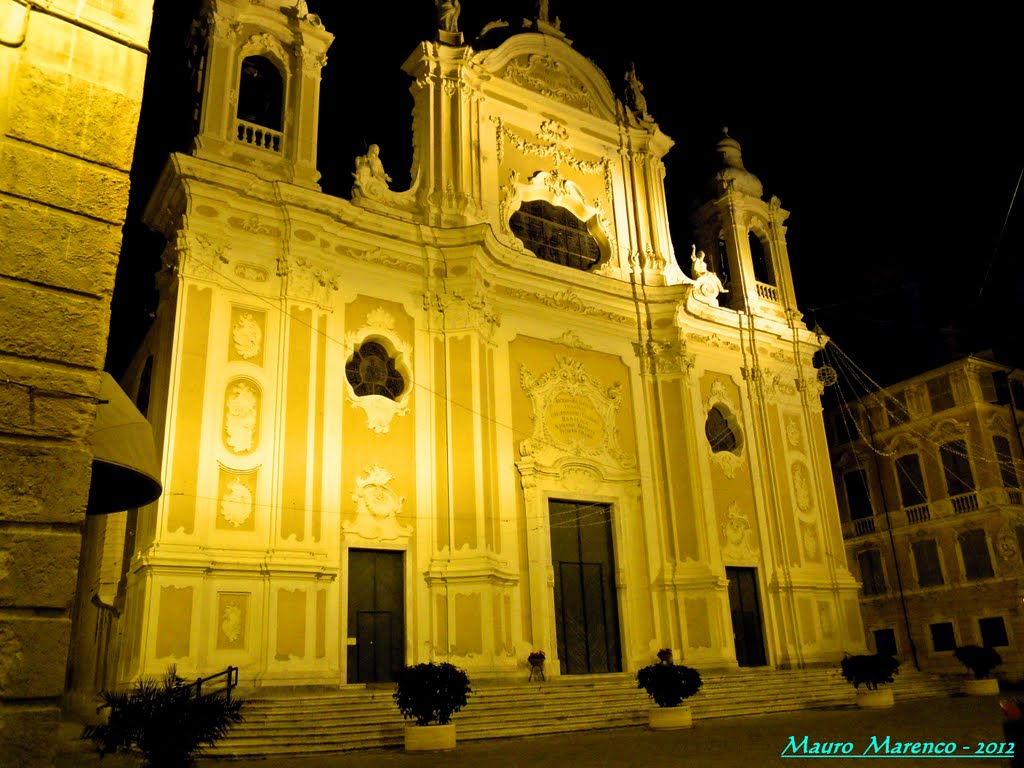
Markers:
point(721, 434)
point(372, 371)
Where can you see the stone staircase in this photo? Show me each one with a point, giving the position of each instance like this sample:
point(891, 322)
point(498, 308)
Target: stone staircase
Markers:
point(360, 717)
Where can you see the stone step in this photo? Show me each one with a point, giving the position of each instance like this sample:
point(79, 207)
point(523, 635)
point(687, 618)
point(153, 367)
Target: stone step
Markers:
point(366, 717)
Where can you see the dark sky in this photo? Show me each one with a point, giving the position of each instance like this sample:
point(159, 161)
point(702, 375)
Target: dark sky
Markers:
point(894, 141)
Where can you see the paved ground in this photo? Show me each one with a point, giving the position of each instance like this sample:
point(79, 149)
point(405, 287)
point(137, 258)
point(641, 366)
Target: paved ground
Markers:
point(746, 742)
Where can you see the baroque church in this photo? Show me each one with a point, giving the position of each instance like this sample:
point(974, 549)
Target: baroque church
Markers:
point(486, 415)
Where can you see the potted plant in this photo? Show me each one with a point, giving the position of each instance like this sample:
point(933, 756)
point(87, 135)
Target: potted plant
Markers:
point(669, 685)
point(165, 721)
point(981, 661)
point(430, 694)
point(665, 655)
point(871, 670)
point(536, 661)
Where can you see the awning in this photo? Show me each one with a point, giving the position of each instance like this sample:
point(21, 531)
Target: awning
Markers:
point(125, 472)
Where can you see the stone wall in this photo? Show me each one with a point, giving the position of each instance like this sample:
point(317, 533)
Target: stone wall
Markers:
point(71, 82)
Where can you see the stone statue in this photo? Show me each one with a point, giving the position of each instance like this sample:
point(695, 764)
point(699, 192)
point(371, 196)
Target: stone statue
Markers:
point(705, 282)
point(636, 93)
point(448, 15)
point(371, 179)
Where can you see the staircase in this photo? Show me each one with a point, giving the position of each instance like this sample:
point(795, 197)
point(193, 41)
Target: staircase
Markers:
point(359, 717)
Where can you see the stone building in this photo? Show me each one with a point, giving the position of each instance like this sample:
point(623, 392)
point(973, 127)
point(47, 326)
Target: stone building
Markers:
point(71, 77)
point(928, 477)
point(485, 415)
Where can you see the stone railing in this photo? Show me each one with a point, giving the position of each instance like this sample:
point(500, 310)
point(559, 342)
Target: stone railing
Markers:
point(860, 527)
point(1013, 496)
point(965, 502)
point(259, 136)
point(919, 513)
point(767, 292)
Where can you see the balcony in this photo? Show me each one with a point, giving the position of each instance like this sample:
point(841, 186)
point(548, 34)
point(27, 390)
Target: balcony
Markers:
point(965, 502)
point(919, 513)
point(259, 136)
point(767, 292)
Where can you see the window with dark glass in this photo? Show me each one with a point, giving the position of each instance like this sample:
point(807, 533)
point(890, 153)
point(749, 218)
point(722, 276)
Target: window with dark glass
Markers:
point(956, 466)
point(1000, 392)
point(1017, 391)
point(926, 558)
point(1020, 541)
point(977, 558)
point(718, 432)
point(943, 638)
point(885, 641)
point(993, 632)
point(260, 93)
point(910, 480)
point(871, 573)
point(371, 371)
point(554, 234)
point(896, 405)
point(940, 393)
point(1007, 472)
point(857, 495)
point(762, 264)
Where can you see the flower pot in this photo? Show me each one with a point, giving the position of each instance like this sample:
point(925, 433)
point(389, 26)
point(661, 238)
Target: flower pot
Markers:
point(987, 687)
point(877, 699)
point(669, 718)
point(429, 738)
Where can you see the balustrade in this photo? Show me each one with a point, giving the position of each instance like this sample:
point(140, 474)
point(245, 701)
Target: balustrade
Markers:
point(259, 136)
point(767, 292)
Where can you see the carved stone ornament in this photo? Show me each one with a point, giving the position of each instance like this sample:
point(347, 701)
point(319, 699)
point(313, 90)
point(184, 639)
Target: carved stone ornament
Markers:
point(549, 77)
point(571, 339)
point(738, 544)
point(1006, 544)
point(241, 412)
point(803, 495)
point(246, 336)
point(380, 410)
point(712, 340)
point(236, 503)
point(312, 282)
point(727, 461)
point(377, 508)
point(794, 435)
point(948, 429)
point(231, 622)
point(809, 540)
point(573, 414)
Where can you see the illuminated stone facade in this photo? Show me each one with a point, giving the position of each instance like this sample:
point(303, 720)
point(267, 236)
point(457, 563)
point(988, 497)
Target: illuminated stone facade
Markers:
point(71, 77)
point(391, 433)
point(934, 461)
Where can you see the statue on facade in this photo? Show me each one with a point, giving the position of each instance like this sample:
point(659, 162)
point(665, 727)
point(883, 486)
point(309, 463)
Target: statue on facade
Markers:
point(705, 283)
point(371, 178)
point(635, 95)
point(448, 15)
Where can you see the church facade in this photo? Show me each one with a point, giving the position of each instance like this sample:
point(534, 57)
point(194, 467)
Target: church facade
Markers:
point(480, 417)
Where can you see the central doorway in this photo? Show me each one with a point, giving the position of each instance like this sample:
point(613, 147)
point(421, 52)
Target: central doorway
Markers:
point(376, 615)
point(746, 616)
point(586, 607)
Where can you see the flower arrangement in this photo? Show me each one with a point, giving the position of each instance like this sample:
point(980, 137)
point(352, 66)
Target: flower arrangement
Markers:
point(536, 656)
point(664, 651)
point(668, 684)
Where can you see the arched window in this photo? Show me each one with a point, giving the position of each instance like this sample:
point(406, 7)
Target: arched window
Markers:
point(554, 234)
point(763, 271)
point(260, 93)
point(718, 431)
point(371, 371)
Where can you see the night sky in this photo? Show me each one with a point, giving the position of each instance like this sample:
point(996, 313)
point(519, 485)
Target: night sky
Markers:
point(893, 140)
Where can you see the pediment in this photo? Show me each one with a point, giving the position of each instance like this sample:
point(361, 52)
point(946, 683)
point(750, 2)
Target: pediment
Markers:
point(552, 69)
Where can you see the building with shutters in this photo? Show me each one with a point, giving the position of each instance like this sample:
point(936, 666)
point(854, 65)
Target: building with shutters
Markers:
point(485, 415)
point(928, 477)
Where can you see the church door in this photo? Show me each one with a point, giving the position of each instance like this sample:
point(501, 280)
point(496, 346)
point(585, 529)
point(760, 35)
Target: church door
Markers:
point(746, 616)
point(586, 608)
point(376, 615)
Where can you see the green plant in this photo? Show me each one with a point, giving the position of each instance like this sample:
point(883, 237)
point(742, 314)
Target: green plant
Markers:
point(871, 670)
point(669, 684)
point(431, 693)
point(979, 659)
point(164, 720)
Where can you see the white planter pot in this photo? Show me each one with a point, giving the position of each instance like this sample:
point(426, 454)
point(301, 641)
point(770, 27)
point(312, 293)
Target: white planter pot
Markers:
point(429, 738)
point(669, 718)
point(879, 699)
point(987, 687)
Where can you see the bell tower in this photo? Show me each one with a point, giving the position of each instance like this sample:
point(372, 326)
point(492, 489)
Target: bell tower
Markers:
point(746, 237)
point(257, 72)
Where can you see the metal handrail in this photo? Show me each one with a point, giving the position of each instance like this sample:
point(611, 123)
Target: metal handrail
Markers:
point(232, 681)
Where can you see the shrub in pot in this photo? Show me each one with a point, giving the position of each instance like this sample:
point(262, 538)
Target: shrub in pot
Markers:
point(165, 721)
point(981, 661)
point(871, 671)
point(669, 685)
point(430, 694)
